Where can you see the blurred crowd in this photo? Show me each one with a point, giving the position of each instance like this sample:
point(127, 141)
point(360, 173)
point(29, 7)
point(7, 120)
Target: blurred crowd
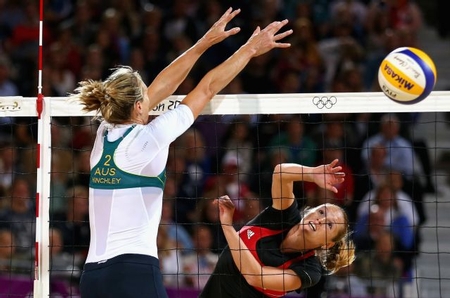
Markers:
point(337, 46)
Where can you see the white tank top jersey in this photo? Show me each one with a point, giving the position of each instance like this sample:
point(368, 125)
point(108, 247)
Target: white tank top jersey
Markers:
point(124, 219)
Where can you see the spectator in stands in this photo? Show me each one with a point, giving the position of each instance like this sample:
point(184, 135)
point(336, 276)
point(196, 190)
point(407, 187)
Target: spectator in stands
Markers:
point(81, 24)
point(317, 196)
point(152, 17)
point(400, 152)
point(81, 167)
point(180, 44)
point(8, 164)
point(7, 88)
point(232, 182)
point(253, 207)
point(61, 78)
point(264, 131)
point(19, 216)
point(169, 258)
point(23, 43)
point(152, 44)
point(340, 51)
point(3, 198)
point(345, 283)
point(353, 13)
point(73, 223)
point(256, 77)
point(61, 166)
point(414, 209)
point(95, 62)
point(198, 163)
point(403, 151)
point(373, 173)
point(302, 149)
point(178, 21)
point(261, 181)
point(339, 128)
point(237, 139)
point(176, 166)
point(305, 42)
point(191, 146)
point(402, 14)
point(385, 41)
point(7, 250)
point(409, 206)
point(289, 82)
point(335, 128)
point(380, 268)
point(404, 201)
point(11, 14)
point(442, 22)
point(63, 265)
point(176, 232)
point(137, 61)
point(208, 215)
point(199, 264)
point(395, 219)
point(130, 17)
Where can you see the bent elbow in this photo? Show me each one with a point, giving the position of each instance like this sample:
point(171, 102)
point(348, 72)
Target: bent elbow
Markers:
point(205, 93)
point(277, 169)
point(253, 279)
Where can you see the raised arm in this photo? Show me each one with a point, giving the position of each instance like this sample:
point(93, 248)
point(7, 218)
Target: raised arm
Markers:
point(255, 274)
point(168, 80)
point(215, 80)
point(284, 175)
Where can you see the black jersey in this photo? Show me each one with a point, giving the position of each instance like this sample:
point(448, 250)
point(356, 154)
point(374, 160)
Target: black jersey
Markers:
point(263, 236)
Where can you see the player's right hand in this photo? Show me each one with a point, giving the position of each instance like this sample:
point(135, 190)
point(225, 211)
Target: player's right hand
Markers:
point(217, 32)
point(226, 210)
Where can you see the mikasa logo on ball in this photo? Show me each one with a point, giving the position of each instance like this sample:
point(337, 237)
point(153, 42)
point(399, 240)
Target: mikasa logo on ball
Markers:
point(402, 83)
point(407, 75)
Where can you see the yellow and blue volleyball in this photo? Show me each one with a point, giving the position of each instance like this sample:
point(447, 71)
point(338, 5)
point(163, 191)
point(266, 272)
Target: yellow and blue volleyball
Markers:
point(407, 75)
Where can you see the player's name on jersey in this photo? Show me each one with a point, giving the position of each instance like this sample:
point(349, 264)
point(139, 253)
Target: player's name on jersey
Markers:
point(103, 180)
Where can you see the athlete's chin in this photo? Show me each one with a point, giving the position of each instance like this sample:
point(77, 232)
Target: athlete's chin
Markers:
point(290, 250)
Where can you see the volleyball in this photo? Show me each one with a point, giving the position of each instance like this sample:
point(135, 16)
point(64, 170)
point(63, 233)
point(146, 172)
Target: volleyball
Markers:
point(407, 75)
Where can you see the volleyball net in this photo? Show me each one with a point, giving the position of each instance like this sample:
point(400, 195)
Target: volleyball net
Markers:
point(231, 149)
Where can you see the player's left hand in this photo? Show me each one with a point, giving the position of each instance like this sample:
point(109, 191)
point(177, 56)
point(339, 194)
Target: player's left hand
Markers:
point(264, 40)
point(327, 176)
point(226, 210)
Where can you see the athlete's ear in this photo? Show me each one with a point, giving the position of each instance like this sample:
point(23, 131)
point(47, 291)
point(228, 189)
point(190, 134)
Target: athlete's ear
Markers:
point(138, 107)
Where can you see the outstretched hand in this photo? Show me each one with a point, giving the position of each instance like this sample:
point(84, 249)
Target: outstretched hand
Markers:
point(217, 32)
point(264, 40)
point(226, 210)
point(327, 176)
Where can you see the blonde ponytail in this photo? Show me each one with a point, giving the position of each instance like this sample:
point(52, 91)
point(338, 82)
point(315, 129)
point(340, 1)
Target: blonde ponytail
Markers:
point(114, 98)
point(340, 255)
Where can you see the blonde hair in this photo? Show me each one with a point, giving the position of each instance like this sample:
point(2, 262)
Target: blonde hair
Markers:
point(114, 98)
point(342, 253)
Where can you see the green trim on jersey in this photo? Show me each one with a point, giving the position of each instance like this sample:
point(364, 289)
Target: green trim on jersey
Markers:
point(107, 175)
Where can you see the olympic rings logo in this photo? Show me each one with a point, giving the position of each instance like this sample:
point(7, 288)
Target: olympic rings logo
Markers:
point(324, 102)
